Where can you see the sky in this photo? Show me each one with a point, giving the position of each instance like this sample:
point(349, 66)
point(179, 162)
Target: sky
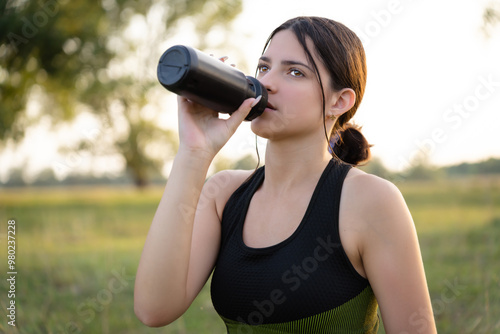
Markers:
point(433, 84)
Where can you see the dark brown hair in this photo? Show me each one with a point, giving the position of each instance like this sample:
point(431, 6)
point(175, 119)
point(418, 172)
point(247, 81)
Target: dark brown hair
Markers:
point(342, 54)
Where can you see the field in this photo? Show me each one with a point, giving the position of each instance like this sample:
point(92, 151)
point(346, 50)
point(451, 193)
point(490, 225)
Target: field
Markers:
point(77, 251)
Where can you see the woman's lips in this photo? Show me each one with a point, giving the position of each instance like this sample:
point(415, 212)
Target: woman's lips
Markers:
point(270, 106)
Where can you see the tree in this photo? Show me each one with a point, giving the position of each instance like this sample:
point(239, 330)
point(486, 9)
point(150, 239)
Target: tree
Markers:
point(86, 56)
point(491, 17)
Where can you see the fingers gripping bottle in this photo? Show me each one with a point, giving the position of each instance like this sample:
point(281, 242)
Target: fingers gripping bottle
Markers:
point(203, 79)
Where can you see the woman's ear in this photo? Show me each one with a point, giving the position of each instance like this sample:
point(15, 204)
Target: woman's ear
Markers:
point(342, 101)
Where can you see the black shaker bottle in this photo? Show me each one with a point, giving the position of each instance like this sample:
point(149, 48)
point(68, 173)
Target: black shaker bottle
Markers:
point(208, 81)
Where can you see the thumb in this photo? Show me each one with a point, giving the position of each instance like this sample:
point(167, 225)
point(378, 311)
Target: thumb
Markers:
point(239, 115)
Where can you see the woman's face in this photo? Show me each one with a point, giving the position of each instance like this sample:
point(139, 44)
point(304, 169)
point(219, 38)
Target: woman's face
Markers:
point(294, 93)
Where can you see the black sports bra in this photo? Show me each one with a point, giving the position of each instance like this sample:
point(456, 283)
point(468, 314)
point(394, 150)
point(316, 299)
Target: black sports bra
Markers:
point(304, 284)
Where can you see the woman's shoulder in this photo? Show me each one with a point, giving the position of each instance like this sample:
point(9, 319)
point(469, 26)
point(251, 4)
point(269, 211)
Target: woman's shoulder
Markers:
point(372, 198)
point(229, 179)
point(376, 209)
point(370, 184)
point(220, 186)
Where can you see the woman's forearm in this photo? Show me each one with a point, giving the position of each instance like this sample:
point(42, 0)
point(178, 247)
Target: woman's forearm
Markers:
point(160, 287)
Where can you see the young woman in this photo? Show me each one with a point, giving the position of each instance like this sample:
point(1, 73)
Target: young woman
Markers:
point(305, 244)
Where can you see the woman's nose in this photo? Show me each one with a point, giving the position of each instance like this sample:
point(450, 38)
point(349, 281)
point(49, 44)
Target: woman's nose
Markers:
point(268, 81)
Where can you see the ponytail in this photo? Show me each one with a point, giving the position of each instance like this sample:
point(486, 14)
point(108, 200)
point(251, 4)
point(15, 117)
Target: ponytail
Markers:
point(350, 146)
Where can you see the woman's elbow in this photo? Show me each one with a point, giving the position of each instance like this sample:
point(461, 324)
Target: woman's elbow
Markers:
point(152, 319)
point(154, 316)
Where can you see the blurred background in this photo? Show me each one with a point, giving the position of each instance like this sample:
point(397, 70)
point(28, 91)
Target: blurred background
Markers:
point(87, 137)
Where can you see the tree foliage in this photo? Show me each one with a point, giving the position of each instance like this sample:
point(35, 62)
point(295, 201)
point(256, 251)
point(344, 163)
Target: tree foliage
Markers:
point(491, 17)
point(75, 56)
point(486, 167)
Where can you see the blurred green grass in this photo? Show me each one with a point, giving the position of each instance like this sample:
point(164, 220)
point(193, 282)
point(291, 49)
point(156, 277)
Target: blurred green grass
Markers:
point(78, 250)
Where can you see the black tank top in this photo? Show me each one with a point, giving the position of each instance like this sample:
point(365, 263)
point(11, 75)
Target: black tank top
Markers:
point(304, 284)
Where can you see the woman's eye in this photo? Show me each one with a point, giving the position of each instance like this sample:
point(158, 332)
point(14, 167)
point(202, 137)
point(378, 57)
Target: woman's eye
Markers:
point(296, 73)
point(263, 68)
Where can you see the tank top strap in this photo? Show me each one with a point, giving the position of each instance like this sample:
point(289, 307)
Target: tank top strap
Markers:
point(237, 205)
point(327, 201)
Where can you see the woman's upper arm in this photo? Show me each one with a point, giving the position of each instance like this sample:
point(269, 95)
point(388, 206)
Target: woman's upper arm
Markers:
point(207, 228)
point(392, 261)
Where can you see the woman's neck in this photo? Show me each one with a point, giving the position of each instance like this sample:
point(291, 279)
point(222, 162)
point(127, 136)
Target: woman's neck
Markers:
point(289, 165)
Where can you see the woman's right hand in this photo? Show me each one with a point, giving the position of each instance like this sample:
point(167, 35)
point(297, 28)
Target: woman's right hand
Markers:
point(202, 131)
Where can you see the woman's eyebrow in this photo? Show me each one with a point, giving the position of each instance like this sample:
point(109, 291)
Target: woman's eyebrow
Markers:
point(287, 62)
